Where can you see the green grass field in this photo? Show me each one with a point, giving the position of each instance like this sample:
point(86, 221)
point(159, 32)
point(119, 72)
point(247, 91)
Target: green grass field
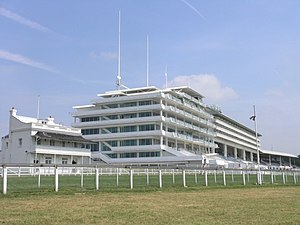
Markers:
point(25, 203)
point(215, 205)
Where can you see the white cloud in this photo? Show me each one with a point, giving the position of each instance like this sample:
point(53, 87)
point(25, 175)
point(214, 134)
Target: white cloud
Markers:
point(207, 85)
point(26, 61)
point(19, 19)
point(104, 55)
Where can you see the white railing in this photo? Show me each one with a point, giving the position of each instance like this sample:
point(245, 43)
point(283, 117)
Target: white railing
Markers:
point(186, 174)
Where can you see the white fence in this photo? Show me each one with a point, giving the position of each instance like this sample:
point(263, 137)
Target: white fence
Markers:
point(208, 176)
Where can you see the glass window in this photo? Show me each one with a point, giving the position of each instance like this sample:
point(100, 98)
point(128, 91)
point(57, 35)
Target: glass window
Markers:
point(128, 129)
point(128, 143)
point(48, 160)
point(89, 119)
point(146, 127)
point(145, 141)
point(145, 114)
point(90, 131)
point(64, 160)
point(52, 143)
point(128, 116)
point(149, 154)
point(128, 104)
point(128, 155)
point(95, 147)
point(145, 102)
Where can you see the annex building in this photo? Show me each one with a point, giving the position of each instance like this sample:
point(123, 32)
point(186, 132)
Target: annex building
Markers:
point(41, 141)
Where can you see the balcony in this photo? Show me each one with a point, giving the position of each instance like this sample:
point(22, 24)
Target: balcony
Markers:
point(58, 150)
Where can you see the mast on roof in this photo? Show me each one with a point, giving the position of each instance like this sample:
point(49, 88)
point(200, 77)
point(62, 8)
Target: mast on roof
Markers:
point(147, 61)
point(119, 55)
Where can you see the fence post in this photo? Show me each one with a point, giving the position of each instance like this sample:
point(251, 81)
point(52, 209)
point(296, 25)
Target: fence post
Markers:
point(283, 178)
point(196, 179)
point(244, 178)
point(232, 177)
point(55, 179)
point(183, 178)
point(147, 176)
point(295, 181)
point(173, 174)
point(160, 178)
point(4, 180)
point(117, 177)
point(131, 178)
point(206, 181)
point(272, 178)
point(81, 179)
point(39, 178)
point(224, 177)
point(97, 178)
point(215, 175)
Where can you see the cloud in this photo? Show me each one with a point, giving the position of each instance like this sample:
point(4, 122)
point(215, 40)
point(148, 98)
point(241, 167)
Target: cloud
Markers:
point(194, 9)
point(104, 55)
point(19, 19)
point(207, 85)
point(26, 61)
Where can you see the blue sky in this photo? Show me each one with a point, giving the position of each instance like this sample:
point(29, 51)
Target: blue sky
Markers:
point(236, 53)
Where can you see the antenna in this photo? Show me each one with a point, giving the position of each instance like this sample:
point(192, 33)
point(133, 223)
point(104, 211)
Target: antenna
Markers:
point(38, 108)
point(166, 75)
point(147, 60)
point(119, 55)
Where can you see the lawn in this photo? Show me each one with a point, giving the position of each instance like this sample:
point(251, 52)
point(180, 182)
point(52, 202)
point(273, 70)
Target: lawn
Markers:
point(215, 205)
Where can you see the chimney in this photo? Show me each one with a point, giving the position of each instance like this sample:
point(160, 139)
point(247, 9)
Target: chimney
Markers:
point(50, 120)
point(13, 111)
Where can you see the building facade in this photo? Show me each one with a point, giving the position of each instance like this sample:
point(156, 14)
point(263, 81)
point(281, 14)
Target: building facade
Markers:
point(32, 140)
point(145, 125)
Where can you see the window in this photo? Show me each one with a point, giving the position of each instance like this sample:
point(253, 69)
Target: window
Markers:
point(128, 104)
point(145, 114)
point(111, 106)
point(128, 143)
point(113, 143)
point(113, 155)
point(20, 142)
point(52, 143)
point(75, 145)
point(128, 155)
point(145, 142)
point(104, 147)
point(145, 102)
point(64, 160)
point(90, 131)
point(128, 129)
point(128, 116)
point(64, 144)
point(149, 154)
point(89, 119)
point(48, 160)
point(94, 147)
point(146, 127)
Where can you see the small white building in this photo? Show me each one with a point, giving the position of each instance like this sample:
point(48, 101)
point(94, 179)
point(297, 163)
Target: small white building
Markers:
point(42, 141)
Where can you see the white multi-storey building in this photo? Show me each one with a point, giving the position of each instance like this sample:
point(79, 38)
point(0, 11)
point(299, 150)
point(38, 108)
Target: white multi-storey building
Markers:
point(42, 141)
point(145, 125)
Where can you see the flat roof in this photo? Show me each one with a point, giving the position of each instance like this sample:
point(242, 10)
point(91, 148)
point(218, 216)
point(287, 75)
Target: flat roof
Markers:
point(269, 152)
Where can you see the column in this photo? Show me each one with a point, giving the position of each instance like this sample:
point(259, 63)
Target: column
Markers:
point(270, 160)
point(280, 162)
point(290, 161)
point(244, 154)
point(225, 150)
point(251, 156)
point(235, 152)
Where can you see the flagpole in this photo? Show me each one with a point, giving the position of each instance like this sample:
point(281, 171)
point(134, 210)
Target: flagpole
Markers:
point(257, 147)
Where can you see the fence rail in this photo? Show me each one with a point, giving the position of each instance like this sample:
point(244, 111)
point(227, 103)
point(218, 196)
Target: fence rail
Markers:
point(24, 178)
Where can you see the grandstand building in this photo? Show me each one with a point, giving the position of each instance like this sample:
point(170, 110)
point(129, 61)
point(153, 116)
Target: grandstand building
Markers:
point(148, 125)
